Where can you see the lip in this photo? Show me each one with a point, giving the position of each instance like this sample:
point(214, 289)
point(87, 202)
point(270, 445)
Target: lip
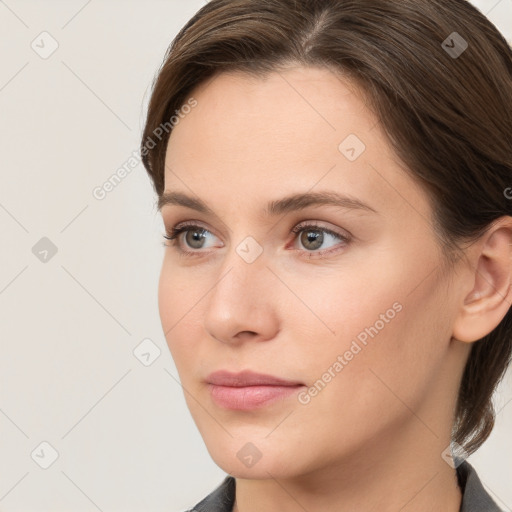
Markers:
point(248, 390)
point(247, 378)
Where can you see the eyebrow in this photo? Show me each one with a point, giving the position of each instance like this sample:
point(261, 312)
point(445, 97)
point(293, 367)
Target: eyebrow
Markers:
point(277, 207)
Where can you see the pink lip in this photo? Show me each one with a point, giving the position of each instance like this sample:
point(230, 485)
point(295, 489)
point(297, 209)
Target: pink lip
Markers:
point(248, 390)
point(247, 378)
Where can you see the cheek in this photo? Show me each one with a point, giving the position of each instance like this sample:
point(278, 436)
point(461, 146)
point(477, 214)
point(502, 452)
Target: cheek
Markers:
point(362, 396)
point(386, 321)
point(391, 348)
point(167, 300)
point(360, 304)
point(176, 303)
point(179, 293)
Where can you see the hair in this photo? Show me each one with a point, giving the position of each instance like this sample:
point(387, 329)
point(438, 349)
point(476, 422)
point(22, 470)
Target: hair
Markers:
point(448, 117)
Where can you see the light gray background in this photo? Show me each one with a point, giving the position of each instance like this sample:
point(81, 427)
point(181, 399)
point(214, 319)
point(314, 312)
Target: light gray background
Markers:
point(69, 326)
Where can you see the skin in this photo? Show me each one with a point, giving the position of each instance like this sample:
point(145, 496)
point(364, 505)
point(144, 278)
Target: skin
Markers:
point(372, 439)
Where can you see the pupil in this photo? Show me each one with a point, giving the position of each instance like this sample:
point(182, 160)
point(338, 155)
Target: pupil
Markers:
point(313, 236)
point(197, 237)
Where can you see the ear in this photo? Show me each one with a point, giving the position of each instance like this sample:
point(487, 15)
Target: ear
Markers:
point(483, 308)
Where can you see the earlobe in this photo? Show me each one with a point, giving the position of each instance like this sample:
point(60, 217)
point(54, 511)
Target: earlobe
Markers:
point(490, 297)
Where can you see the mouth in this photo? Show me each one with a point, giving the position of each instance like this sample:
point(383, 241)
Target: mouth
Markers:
point(249, 390)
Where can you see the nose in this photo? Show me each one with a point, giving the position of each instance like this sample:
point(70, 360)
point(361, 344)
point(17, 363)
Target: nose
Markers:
point(242, 304)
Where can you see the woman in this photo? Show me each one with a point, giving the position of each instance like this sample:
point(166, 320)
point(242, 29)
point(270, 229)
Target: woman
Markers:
point(336, 285)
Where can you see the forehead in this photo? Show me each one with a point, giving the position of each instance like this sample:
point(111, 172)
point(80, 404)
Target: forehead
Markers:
point(289, 131)
point(285, 109)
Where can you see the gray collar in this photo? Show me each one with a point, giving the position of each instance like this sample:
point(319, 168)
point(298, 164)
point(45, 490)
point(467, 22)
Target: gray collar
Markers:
point(474, 498)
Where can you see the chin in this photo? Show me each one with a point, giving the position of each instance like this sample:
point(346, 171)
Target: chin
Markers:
point(256, 459)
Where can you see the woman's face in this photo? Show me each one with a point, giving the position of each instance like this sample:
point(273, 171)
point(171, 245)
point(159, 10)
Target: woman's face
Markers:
point(355, 309)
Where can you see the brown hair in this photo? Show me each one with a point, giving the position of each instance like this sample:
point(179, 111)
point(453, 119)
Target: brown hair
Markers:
point(447, 115)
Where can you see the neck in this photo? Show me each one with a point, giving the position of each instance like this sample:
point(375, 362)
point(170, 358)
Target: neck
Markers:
point(384, 476)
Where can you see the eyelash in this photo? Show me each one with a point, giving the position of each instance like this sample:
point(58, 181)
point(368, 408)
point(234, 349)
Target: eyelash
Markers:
point(176, 231)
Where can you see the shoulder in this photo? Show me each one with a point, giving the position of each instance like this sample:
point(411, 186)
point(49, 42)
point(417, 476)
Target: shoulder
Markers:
point(221, 499)
point(474, 496)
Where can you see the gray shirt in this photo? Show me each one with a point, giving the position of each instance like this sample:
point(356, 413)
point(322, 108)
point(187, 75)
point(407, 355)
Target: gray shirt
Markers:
point(474, 497)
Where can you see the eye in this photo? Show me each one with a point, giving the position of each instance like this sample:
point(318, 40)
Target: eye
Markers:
point(313, 237)
point(194, 235)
